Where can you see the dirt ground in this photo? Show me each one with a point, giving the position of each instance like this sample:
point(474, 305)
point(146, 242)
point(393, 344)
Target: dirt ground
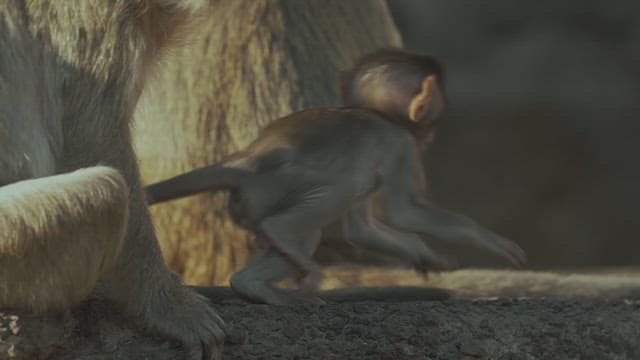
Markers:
point(408, 322)
point(443, 329)
point(451, 329)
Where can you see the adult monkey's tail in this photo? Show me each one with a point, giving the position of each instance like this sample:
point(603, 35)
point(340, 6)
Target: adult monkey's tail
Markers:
point(58, 234)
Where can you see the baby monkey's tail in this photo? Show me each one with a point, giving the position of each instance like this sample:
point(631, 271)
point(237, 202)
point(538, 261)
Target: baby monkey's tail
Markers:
point(208, 178)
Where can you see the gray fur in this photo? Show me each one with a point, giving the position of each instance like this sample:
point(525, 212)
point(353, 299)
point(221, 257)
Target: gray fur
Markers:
point(71, 73)
point(313, 167)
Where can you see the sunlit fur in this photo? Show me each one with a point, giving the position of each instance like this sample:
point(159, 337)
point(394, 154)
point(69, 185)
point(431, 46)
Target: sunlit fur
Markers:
point(71, 73)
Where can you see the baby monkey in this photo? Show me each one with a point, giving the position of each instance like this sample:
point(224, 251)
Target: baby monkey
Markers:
point(312, 167)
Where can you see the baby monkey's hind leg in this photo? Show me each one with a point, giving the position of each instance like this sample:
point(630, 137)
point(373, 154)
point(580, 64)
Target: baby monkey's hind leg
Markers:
point(290, 230)
point(257, 282)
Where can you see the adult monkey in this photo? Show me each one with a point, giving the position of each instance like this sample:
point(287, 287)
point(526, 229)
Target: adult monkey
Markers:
point(72, 215)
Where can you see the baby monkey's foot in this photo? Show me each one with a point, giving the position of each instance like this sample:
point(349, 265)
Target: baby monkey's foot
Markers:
point(305, 296)
point(432, 262)
point(267, 293)
point(311, 280)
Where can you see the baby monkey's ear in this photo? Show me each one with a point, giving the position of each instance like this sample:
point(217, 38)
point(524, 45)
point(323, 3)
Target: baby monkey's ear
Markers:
point(423, 101)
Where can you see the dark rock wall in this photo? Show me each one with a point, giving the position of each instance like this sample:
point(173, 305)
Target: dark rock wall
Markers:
point(542, 139)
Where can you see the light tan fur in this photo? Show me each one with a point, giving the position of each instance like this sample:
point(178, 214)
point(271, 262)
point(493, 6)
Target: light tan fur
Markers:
point(59, 233)
point(71, 73)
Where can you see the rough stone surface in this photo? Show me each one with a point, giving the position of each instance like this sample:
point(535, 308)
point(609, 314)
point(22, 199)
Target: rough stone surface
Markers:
point(444, 329)
point(452, 329)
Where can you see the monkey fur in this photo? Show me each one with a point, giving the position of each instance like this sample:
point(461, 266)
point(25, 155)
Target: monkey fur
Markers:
point(312, 167)
point(73, 219)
